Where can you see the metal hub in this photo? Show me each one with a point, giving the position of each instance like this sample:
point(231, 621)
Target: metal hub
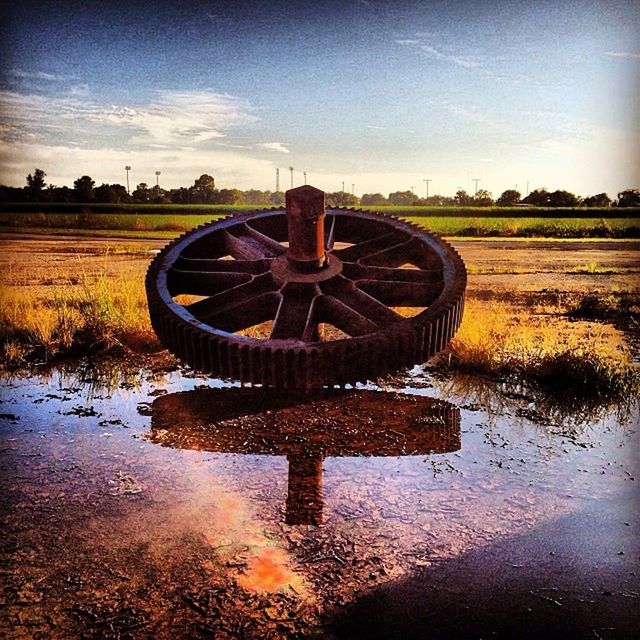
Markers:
point(278, 298)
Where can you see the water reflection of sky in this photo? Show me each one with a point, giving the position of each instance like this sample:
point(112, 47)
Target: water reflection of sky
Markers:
point(215, 508)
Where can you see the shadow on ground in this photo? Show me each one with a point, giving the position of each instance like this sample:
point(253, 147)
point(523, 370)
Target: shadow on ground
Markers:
point(569, 578)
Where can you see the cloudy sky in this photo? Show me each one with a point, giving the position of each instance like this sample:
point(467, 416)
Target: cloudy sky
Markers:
point(377, 94)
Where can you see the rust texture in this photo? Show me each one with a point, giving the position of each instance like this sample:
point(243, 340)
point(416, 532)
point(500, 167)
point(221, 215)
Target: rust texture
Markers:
point(362, 296)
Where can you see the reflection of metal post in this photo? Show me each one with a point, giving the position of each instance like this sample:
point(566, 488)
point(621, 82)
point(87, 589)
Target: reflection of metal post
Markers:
point(305, 221)
point(304, 498)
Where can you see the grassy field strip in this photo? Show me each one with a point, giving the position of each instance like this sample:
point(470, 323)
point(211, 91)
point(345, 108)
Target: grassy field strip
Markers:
point(213, 210)
point(448, 226)
point(92, 233)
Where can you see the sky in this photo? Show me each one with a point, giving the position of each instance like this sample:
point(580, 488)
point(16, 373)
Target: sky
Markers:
point(378, 95)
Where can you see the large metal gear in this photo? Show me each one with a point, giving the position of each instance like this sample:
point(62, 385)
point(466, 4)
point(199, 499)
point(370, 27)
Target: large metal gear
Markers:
point(393, 291)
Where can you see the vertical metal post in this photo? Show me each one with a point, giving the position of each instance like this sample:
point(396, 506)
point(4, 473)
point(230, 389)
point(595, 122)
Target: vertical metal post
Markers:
point(305, 221)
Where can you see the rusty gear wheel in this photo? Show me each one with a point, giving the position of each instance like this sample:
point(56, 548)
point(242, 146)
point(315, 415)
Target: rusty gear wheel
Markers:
point(374, 267)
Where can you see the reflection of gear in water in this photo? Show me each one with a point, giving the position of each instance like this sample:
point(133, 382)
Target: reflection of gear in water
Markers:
point(305, 429)
point(257, 269)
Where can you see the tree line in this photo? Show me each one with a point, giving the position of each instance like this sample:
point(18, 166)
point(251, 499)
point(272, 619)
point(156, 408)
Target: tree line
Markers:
point(204, 191)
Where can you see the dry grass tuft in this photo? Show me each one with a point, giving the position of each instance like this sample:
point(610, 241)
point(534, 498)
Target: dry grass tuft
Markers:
point(566, 357)
point(100, 312)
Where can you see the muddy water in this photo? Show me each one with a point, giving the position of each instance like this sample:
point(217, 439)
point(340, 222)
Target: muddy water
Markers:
point(157, 504)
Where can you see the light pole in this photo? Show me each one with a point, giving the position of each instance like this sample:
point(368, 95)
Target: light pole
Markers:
point(353, 189)
point(304, 173)
point(476, 180)
point(343, 186)
point(291, 172)
point(277, 180)
point(127, 169)
point(412, 191)
point(158, 180)
point(426, 182)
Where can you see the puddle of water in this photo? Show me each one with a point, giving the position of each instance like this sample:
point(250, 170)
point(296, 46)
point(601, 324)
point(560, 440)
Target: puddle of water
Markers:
point(161, 504)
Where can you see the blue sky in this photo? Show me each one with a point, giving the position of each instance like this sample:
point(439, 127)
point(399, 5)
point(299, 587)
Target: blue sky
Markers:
point(380, 95)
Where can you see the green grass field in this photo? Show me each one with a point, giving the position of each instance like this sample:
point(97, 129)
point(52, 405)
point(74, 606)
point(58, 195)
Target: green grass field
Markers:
point(463, 226)
point(75, 208)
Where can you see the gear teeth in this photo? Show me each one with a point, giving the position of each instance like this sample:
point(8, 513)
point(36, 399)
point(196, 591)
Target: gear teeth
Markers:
point(298, 366)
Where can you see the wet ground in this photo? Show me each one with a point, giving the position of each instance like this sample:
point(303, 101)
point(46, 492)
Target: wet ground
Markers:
point(151, 503)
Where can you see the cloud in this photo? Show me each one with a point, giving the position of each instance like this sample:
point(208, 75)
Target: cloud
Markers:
point(274, 146)
point(423, 43)
point(471, 114)
point(375, 126)
point(426, 48)
point(180, 167)
point(170, 118)
point(36, 75)
point(622, 54)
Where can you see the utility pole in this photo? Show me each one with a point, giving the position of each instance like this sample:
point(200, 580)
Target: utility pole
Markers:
point(291, 171)
point(412, 191)
point(343, 186)
point(127, 169)
point(476, 180)
point(277, 180)
point(353, 189)
point(427, 181)
point(305, 176)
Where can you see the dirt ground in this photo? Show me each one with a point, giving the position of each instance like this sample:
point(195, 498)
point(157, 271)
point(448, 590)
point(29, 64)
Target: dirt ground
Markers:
point(497, 267)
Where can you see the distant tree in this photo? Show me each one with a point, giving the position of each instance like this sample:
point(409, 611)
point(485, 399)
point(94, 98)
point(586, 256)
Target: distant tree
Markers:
point(436, 201)
point(277, 198)
point(141, 193)
point(111, 193)
point(58, 194)
point(600, 200)
point(537, 198)
point(204, 189)
point(483, 198)
point(628, 198)
point(508, 198)
point(13, 194)
point(205, 184)
point(181, 195)
point(373, 199)
point(562, 198)
point(36, 184)
point(255, 196)
point(83, 189)
point(341, 199)
point(228, 196)
point(402, 197)
point(462, 198)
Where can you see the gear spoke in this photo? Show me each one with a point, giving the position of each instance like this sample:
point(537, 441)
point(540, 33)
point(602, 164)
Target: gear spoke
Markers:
point(295, 314)
point(370, 247)
point(412, 251)
point(222, 266)
point(401, 294)
point(217, 304)
point(359, 301)
point(250, 244)
point(203, 283)
point(356, 271)
point(247, 313)
point(333, 310)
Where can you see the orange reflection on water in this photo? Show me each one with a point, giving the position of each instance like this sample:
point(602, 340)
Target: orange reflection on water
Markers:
point(268, 572)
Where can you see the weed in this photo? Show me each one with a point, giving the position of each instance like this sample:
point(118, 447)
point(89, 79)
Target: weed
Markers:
point(577, 358)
